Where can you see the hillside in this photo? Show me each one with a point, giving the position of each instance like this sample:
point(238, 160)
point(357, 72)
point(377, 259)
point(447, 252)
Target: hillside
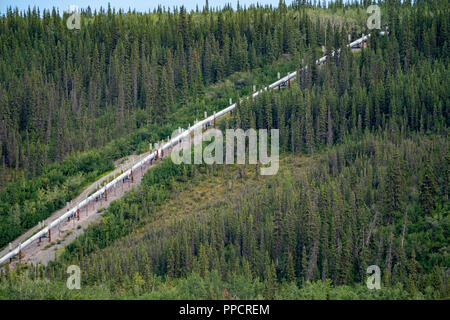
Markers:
point(221, 229)
point(363, 176)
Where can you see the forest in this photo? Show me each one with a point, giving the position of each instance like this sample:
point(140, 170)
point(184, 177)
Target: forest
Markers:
point(364, 151)
point(62, 93)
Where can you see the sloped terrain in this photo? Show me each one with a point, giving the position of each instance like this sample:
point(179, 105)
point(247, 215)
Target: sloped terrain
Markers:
point(363, 176)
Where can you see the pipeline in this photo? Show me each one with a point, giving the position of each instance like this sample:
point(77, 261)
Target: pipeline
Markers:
point(154, 155)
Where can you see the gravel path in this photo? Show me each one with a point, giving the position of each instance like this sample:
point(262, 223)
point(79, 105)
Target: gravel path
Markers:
point(43, 252)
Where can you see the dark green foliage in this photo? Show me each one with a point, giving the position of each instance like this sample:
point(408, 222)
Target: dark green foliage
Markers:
point(114, 83)
point(373, 188)
point(325, 233)
point(63, 91)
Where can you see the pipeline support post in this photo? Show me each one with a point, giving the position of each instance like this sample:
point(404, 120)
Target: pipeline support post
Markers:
point(363, 42)
point(49, 235)
point(78, 214)
point(132, 177)
point(106, 194)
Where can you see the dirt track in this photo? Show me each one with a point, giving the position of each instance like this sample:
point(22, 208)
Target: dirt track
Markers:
point(44, 251)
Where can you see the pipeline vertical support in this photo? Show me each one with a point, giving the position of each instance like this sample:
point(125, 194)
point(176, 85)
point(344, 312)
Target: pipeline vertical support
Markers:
point(132, 177)
point(78, 214)
point(106, 195)
point(20, 255)
point(162, 153)
point(49, 235)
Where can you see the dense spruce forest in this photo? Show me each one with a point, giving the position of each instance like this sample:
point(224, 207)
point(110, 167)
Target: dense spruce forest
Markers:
point(330, 221)
point(364, 168)
point(64, 91)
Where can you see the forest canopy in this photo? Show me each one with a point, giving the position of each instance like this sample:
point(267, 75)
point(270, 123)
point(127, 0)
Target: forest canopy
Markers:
point(364, 141)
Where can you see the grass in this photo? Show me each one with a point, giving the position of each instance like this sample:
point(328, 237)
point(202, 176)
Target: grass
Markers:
point(220, 186)
point(60, 251)
point(49, 245)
